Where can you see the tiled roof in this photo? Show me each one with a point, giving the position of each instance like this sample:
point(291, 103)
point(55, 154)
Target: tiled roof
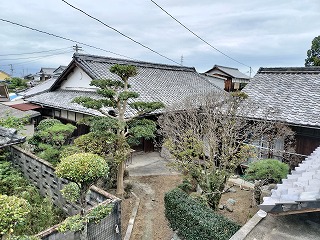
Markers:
point(8, 136)
point(40, 88)
point(9, 111)
point(292, 93)
point(232, 72)
point(300, 191)
point(154, 82)
point(62, 99)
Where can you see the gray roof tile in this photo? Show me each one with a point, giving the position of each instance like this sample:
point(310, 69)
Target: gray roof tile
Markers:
point(154, 82)
point(294, 92)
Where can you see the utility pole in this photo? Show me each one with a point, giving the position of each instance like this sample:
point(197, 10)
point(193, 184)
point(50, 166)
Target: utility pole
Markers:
point(181, 60)
point(77, 48)
point(11, 68)
point(250, 71)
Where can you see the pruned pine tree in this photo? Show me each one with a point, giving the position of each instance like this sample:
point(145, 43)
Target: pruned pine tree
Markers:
point(210, 141)
point(116, 98)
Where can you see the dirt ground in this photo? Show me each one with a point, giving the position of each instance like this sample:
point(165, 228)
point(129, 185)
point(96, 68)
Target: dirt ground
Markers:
point(151, 223)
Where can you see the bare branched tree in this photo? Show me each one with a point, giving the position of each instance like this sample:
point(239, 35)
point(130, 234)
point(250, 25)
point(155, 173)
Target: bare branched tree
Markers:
point(208, 138)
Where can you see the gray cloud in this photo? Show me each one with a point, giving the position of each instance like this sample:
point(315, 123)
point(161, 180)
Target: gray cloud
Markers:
point(258, 34)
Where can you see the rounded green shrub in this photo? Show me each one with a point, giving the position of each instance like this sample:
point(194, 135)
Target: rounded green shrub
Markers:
point(267, 169)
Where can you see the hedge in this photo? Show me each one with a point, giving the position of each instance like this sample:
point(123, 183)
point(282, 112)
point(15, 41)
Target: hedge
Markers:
point(195, 221)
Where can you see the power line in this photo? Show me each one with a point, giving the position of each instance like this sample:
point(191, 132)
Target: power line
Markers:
point(197, 35)
point(64, 38)
point(12, 59)
point(122, 34)
point(37, 58)
point(17, 54)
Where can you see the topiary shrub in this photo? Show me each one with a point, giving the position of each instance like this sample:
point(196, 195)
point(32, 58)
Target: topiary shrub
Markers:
point(195, 221)
point(271, 170)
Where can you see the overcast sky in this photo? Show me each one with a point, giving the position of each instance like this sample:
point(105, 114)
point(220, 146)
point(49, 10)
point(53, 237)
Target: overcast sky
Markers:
point(268, 33)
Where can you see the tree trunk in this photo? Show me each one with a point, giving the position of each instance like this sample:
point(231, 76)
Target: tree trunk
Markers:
point(120, 186)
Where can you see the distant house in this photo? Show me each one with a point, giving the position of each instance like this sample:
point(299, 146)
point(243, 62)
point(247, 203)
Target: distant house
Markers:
point(154, 82)
point(46, 73)
point(57, 72)
point(4, 75)
point(227, 78)
point(292, 96)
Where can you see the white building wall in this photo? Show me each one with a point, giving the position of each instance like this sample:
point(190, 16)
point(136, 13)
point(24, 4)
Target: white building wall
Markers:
point(78, 80)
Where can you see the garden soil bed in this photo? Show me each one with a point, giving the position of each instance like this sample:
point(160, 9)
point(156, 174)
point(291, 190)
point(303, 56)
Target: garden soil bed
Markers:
point(150, 222)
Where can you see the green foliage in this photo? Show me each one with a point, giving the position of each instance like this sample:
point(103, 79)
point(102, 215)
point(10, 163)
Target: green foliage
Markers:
point(13, 122)
point(98, 213)
point(49, 153)
point(267, 169)
point(82, 168)
point(195, 221)
point(71, 192)
point(146, 107)
point(52, 132)
point(42, 213)
point(77, 222)
point(13, 211)
point(141, 128)
point(124, 71)
point(100, 125)
point(97, 143)
point(186, 186)
point(16, 84)
point(49, 138)
point(313, 54)
point(11, 181)
point(74, 223)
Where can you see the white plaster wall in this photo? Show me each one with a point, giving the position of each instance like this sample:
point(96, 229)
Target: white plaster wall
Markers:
point(78, 80)
point(218, 82)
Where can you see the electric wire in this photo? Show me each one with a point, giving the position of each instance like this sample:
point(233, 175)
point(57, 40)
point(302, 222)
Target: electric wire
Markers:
point(13, 59)
point(38, 58)
point(17, 54)
point(188, 29)
point(122, 34)
point(64, 38)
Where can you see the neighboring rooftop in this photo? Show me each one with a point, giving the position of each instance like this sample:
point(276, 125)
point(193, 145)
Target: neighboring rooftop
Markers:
point(40, 88)
point(154, 82)
point(10, 111)
point(229, 71)
point(8, 136)
point(291, 94)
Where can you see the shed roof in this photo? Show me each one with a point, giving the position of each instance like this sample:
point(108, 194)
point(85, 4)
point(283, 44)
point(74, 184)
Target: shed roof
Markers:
point(292, 93)
point(10, 111)
point(155, 82)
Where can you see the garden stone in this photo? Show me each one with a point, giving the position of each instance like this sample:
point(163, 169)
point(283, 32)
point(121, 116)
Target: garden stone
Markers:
point(231, 201)
point(221, 207)
point(228, 208)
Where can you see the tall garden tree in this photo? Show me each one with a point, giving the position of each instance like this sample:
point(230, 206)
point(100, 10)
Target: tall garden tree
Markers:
point(115, 100)
point(208, 143)
point(313, 54)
